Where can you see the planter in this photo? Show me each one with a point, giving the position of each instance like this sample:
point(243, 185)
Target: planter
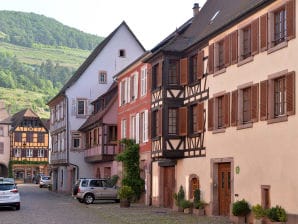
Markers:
point(124, 203)
point(199, 211)
point(238, 219)
point(258, 221)
point(188, 210)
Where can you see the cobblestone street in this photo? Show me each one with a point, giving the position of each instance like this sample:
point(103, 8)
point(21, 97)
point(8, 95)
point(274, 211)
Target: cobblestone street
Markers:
point(42, 206)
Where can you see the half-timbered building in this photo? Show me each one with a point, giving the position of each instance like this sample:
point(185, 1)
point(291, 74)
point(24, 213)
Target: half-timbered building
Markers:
point(133, 115)
point(223, 107)
point(29, 145)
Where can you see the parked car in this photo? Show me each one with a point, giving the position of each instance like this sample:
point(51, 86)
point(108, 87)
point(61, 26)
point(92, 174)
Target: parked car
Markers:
point(44, 181)
point(9, 194)
point(89, 189)
point(36, 179)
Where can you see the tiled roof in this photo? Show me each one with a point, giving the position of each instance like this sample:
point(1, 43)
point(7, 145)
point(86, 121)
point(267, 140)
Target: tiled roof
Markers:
point(214, 17)
point(18, 117)
point(91, 58)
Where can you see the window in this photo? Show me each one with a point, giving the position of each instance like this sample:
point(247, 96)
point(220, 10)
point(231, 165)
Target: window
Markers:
point(134, 86)
point(1, 131)
point(144, 126)
point(125, 93)
point(219, 112)
point(265, 196)
point(246, 48)
point(17, 152)
point(40, 137)
point(81, 107)
point(18, 136)
point(112, 134)
point(53, 113)
point(40, 153)
point(172, 121)
point(194, 185)
point(156, 76)
point(123, 129)
point(1, 148)
point(133, 127)
point(173, 72)
point(246, 99)
point(76, 140)
point(278, 97)
point(102, 77)
point(280, 26)
point(29, 137)
point(219, 55)
point(29, 152)
point(193, 68)
point(122, 53)
point(144, 81)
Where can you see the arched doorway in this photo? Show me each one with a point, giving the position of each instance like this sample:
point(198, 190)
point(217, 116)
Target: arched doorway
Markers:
point(3, 170)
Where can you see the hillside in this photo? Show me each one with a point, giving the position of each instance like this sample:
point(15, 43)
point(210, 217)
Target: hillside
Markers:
point(26, 29)
point(33, 70)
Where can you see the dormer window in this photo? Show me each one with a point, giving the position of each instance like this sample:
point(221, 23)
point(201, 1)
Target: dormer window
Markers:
point(122, 53)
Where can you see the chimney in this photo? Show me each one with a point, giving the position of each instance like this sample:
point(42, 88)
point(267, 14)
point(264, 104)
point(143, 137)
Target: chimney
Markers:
point(196, 9)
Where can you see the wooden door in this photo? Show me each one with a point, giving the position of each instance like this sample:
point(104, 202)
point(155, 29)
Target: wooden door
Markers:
point(169, 186)
point(224, 188)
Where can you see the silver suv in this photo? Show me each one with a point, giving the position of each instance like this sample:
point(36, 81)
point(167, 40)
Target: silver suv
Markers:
point(89, 189)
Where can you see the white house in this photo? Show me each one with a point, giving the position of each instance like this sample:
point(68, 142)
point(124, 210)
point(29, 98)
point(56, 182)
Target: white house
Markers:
point(71, 106)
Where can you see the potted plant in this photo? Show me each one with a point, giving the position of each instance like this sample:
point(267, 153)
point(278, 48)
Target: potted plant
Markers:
point(259, 213)
point(179, 197)
point(199, 206)
point(277, 214)
point(125, 194)
point(187, 206)
point(240, 210)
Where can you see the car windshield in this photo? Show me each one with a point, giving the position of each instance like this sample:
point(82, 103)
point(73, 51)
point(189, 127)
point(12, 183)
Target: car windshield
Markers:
point(46, 178)
point(6, 187)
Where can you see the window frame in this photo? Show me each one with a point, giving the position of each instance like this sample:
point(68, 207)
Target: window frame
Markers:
point(173, 72)
point(102, 77)
point(173, 121)
point(29, 153)
point(76, 140)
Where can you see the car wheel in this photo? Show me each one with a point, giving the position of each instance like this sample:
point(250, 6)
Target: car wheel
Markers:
point(40, 186)
point(89, 198)
point(117, 200)
point(18, 207)
point(80, 200)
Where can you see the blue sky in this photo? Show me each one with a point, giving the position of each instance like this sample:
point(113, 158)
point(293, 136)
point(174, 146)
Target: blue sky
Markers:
point(150, 20)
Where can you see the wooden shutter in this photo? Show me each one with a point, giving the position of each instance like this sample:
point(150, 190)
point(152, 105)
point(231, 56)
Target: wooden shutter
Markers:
point(183, 121)
point(200, 109)
point(227, 50)
point(255, 102)
point(210, 114)
point(264, 32)
point(159, 114)
point(200, 64)
point(264, 100)
point(159, 75)
point(149, 78)
point(290, 9)
point(226, 109)
point(183, 71)
point(119, 93)
point(290, 93)
point(234, 47)
point(234, 110)
point(211, 59)
point(255, 37)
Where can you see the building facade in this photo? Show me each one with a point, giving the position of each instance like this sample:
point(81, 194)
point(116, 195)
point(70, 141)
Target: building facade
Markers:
point(223, 107)
point(93, 78)
point(29, 146)
point(4, 140)
point(134, 102)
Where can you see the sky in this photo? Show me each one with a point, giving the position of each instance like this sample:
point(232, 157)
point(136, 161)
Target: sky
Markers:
point(151, 21)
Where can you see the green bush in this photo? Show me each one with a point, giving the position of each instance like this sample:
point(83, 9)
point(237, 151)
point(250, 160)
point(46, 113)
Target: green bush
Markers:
point(186, 204)
point(277, 214)
point(125, 192)
point(258, 211)
point(240, 208)
point(179, 197)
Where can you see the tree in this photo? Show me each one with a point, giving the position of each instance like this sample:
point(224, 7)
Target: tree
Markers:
point(130, 158)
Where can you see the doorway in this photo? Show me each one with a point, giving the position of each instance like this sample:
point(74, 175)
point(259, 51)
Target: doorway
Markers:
point(168, 186)
point(224, 188)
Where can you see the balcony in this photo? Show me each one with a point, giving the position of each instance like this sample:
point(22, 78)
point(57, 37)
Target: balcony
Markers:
point(57, 158)
point(101, 154)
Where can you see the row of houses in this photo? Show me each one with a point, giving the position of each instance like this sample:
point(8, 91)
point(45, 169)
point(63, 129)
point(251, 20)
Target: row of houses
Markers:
point(24, 145)
point(212, 106)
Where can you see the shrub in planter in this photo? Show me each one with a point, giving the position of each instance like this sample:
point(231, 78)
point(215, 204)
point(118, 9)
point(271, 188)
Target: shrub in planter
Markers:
point(125, 194)
point(277, 214)
point(258, 211)
point(179, 197)
point(240, 208)
point(187, 206)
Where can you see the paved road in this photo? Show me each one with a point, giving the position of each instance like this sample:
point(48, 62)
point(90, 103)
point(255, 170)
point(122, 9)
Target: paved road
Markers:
point(40, 206)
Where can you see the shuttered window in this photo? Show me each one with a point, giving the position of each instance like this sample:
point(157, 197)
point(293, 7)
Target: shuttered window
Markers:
point(211, 59)
point(234, 47)
point(172, 121)
point(156, 75)
point(264, 32)
point(193, 69)
point(173, 72)
point(219, 56)
point(200, 64)
point(219, 112)
point(278, 97)
point(193, 119)
point(184, 71)
point(156, 123)
point(183, 121)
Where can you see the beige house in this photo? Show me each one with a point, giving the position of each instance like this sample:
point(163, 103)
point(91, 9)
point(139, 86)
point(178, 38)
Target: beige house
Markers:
point(228, 83)
point(4, 140)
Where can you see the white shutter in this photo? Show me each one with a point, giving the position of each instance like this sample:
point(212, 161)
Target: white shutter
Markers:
point(145, 126)
point(128, 90)
point(119, 93)
point(73, 107)
point(137, 128)
point(136, 85)
point(145, 81)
